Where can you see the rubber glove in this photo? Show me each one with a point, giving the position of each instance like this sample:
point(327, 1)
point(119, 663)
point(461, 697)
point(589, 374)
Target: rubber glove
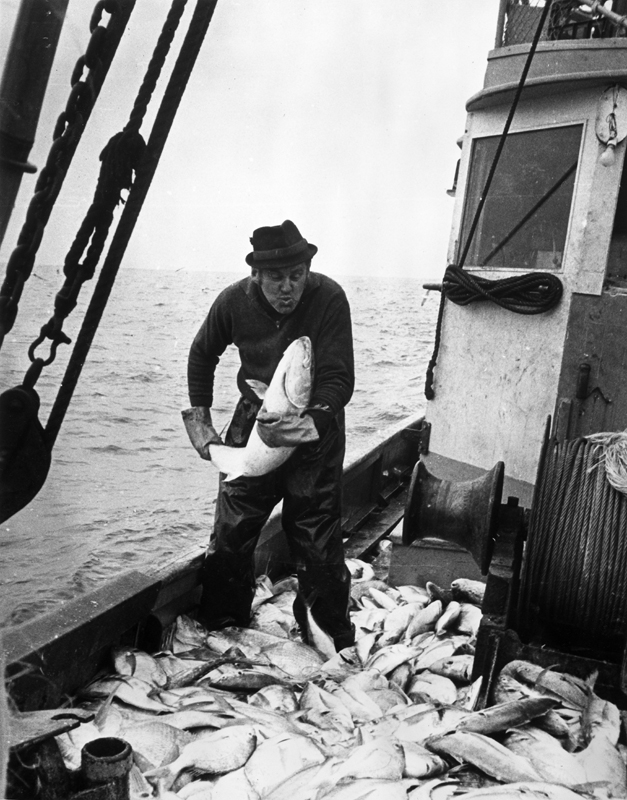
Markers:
point(200, 430)
point(285, 431)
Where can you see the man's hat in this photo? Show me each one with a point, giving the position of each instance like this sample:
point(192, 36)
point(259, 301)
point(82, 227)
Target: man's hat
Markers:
point(279, 246)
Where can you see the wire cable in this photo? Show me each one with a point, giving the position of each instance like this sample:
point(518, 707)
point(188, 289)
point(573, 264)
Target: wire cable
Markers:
point(574, 578)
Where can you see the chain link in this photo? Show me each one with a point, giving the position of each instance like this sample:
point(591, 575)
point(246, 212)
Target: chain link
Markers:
point(66, 135)
point(119, 160)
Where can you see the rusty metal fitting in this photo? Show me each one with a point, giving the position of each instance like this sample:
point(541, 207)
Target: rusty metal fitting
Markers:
point(108, 760)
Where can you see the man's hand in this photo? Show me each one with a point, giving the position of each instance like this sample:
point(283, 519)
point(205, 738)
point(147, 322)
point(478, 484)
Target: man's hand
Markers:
point(285, 431)
point(200, 430)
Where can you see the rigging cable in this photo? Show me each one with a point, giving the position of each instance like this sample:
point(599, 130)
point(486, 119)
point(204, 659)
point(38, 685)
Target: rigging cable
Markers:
point(120, 158)
point(145, 171)
point(25, 446)
point(101, 49)
point(429, 390)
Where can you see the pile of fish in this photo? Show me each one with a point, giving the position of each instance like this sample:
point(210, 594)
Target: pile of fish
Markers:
point(256, 714)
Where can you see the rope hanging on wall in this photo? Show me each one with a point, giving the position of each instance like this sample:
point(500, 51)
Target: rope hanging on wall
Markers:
point(575, 571)
point(533, 293)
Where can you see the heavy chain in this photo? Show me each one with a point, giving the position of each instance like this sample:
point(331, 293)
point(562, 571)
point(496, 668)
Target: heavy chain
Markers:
point(119, 159)
point(66, 136)
point(164, 119)
point(127, 164)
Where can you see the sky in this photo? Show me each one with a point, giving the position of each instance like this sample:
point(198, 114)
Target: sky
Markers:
point(341, 115)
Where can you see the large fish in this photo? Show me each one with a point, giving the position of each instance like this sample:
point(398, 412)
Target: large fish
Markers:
point(531, 790)
point(421, 762)
point(504, 716)
point(485, 753)
point(276, 698)
point(603, 763)
point(379, 758)
point(547, 755)
point(155, 743)
point(278, 758)
point(294, 659)
point(133, 691)
point(573, 692)
point(218, 752)
point(288, 394)
point(427, 687)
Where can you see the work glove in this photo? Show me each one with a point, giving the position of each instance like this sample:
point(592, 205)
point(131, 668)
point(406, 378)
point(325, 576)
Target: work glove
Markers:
point(200, 430)
point(288, 430)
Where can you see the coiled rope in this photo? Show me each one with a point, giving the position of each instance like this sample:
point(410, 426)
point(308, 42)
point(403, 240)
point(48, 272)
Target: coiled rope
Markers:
point(480, 290)
point(533, 293)
point(575, 571)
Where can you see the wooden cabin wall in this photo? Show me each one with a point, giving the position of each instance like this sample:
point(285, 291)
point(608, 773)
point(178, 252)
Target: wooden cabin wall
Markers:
point(498, 372)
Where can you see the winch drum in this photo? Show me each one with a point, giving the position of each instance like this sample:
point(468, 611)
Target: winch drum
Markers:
point(462, 512)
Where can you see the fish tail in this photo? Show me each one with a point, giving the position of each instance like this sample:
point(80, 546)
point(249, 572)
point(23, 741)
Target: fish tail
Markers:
point(317, 638)
point(161, 777)
point(228, 460)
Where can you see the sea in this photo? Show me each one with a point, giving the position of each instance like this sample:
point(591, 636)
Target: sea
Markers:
point(126, 490)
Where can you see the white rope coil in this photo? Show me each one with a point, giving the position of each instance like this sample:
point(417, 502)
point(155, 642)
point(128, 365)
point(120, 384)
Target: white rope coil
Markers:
point(613, 458)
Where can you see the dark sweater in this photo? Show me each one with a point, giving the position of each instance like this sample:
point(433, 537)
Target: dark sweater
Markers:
point(242, 316)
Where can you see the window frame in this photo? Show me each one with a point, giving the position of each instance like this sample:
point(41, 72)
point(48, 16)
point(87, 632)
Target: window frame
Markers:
point(486, 133)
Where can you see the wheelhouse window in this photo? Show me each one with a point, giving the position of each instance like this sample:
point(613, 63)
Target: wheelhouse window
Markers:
point(525, 218)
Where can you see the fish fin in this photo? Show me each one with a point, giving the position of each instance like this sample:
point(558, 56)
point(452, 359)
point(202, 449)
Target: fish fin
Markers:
point(156, 774)
point(259, 387)
point(592, 679)
point(228, 460)
point(318, 639)
point(102, 713)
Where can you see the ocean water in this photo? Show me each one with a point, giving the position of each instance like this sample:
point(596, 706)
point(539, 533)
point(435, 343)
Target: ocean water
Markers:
point(126, 490)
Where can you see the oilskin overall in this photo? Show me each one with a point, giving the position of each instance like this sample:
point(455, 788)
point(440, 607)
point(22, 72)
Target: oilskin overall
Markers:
point(309, 483)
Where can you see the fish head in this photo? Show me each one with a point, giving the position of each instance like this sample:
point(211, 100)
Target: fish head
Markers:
point(299, 371)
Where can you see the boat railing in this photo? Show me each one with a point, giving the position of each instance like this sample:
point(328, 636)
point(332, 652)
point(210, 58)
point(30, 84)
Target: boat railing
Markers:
point(567, 19)
point(51, 656)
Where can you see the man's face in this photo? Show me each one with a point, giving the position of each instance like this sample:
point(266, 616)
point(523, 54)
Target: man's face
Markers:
point(283, 287)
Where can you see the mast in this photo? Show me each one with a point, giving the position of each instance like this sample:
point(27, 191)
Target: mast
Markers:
point(24, 81)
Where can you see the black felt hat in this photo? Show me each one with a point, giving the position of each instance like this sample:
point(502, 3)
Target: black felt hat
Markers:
point(279, 246)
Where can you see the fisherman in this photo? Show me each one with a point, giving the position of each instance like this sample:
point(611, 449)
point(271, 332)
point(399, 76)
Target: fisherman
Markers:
point(281, 301)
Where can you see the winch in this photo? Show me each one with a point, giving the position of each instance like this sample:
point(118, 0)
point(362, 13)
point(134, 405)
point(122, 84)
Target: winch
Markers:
point(556, 581)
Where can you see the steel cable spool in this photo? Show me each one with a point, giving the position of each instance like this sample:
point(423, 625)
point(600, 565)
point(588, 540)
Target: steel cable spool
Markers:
point(574, 577)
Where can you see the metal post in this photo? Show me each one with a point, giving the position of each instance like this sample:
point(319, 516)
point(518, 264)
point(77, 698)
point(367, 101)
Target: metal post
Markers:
point(105, 764)
point(595, 7)
point(500, 24)
point(24, 81)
